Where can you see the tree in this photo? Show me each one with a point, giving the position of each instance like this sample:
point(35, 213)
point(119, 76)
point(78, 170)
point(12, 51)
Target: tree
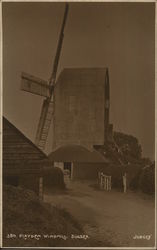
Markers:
point(129, 145)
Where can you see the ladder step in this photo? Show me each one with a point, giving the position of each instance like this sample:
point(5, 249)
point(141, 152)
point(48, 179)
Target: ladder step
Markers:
point(47, 120)
point(43, 137)
point(45, 131)
point(40, 143)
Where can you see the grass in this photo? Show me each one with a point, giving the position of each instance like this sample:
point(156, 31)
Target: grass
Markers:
point(24, 214)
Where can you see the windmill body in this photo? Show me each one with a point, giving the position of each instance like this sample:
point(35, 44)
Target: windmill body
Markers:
point(81, 107)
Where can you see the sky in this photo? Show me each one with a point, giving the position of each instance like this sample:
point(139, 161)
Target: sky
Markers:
point(120, 36)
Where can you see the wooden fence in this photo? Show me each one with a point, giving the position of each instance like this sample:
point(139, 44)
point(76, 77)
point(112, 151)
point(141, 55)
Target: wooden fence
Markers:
point(104, 181)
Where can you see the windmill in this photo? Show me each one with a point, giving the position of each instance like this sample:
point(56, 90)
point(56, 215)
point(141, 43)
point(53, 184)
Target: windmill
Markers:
point(40, 87)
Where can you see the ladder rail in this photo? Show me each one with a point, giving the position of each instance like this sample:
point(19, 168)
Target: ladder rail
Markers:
point(44, 124)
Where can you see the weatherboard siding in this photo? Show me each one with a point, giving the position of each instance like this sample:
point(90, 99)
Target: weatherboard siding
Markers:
point(79, 108)
point(22, 160)
point(17, 149)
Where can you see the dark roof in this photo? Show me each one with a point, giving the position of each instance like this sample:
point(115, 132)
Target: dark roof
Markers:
point(8, 123)
point(76, 153)
point(19, 151)
point(89, 75)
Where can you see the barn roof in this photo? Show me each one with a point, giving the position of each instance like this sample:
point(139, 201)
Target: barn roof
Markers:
point(76, 153)
point(18, 151)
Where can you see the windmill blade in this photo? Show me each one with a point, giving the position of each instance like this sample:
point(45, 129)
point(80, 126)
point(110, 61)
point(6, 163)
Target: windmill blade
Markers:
point(48, 106)
point(59, 47)
point(34, 85)
point(44, 123)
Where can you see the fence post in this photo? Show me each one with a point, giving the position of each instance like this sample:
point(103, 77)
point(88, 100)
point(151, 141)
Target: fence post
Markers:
point(124, 182)
point(110, 182)
point(40, 188)
point(102, 181)
point(99, 178)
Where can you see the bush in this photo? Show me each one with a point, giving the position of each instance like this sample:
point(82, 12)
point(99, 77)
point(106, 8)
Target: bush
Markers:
point(147, 180)
point(53, 177)
point(134, 182)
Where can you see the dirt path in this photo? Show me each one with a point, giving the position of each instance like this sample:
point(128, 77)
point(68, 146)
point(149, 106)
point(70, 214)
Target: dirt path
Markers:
point(111, 216)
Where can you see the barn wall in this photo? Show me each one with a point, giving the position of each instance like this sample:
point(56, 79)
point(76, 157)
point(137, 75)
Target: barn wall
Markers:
point(86, 171)
point(79, 108)
point(22, 160)
point(17, 149)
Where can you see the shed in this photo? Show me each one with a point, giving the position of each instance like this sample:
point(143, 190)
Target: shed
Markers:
point(22, 159)
point(79, 161)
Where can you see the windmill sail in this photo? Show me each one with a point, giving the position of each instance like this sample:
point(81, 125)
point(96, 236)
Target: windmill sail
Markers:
point(59, 47)
point(34, 85)
point(48, 105)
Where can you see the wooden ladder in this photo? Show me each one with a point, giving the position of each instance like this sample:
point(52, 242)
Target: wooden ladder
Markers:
point(44, 123)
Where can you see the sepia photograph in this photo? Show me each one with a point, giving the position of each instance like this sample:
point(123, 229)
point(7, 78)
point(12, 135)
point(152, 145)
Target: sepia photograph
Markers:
point(78, 125)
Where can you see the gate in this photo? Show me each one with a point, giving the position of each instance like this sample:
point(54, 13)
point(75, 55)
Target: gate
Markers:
point(104, 181)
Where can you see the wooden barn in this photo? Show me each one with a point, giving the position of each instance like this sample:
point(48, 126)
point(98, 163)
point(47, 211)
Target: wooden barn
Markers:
point(78, 161)
point(23, 161)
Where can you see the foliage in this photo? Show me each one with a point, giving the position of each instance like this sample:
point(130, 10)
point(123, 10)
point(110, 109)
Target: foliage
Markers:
point(53, 177)
point(143, 174)
point(147, 179)
point(129, 145)
point(134, 181)
point(146, 162)
point(126, 156)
